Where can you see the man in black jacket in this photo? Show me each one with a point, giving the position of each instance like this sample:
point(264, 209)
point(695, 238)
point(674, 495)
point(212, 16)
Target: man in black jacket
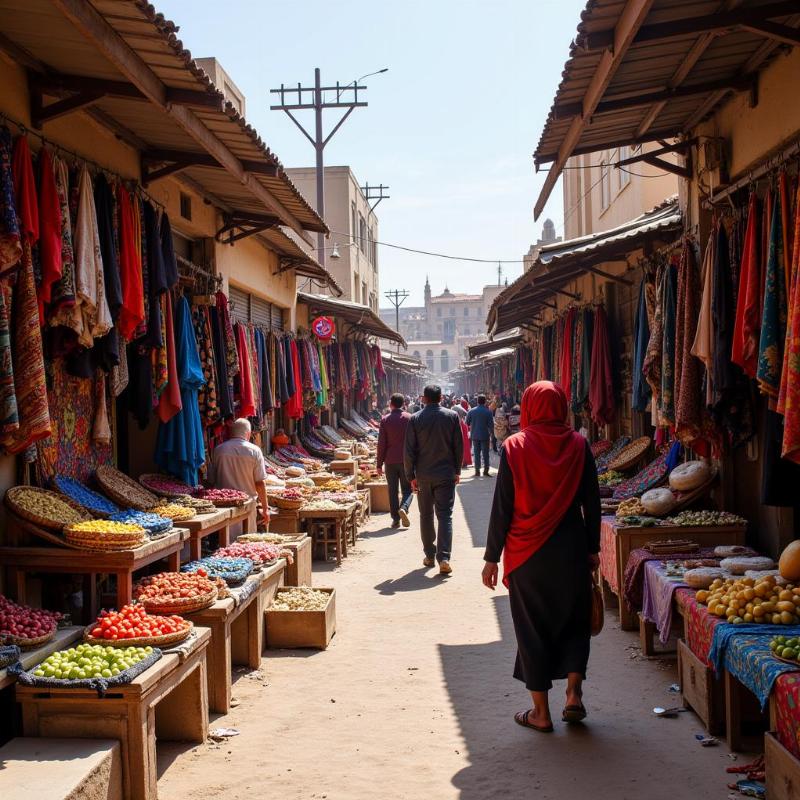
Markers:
point(434, 449)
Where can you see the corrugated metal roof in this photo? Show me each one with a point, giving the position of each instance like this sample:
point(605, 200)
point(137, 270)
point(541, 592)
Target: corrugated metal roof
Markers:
point(709, 63)
point(560, 263)
point(493, 346)
point(283, 241)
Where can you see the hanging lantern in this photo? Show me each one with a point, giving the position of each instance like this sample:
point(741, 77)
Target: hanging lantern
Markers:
point(323, 328)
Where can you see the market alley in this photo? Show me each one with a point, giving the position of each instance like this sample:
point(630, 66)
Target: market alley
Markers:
point(414, 699)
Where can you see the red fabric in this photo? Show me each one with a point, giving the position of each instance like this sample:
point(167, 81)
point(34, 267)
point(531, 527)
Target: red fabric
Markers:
point(465, 405)
point(601, 382)
point(466, 460)
point(131, 314)
point(566, 353)
point(546, 459)
point(247, 403)
point(295, 405)
point(747, 327)
point(25, 191)
point(49, 231)
point(169, 401)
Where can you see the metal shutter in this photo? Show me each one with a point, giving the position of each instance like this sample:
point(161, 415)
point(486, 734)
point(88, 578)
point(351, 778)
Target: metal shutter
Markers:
point(260, 311)
point(240, 304)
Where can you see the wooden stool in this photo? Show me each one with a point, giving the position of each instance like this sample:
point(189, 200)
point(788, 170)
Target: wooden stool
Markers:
point(327, 532)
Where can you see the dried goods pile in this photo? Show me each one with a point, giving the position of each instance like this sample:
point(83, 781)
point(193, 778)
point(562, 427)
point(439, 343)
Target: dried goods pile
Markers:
point(20, 624)
point(300, 598)
point(258, 552)
point(173, 511)
point(322, 505)
point(124, 490)
point(706, 518)
point(197, 504)
point(742, 600)
point(165, 485)
point(610, 478)
point(132, 622)
point(232, 570)
point(152, 523)
point(91, 661)
point(630, 507)
point(222, 497)
point(267, 538)
point(175, 592)
point(105, 534)
point(84, 496)
point(48, 509)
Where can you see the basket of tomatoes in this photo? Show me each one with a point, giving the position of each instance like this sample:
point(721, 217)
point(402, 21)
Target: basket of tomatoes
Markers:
point(132, 626)
point(175, 593)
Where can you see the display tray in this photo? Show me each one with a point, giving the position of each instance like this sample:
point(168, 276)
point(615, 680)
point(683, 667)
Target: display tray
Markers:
point(143, 641)
point(49, 523)
point(28, 644)
point(313, 629)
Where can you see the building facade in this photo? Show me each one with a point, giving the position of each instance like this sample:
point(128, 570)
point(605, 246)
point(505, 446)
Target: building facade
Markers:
point(354, 233)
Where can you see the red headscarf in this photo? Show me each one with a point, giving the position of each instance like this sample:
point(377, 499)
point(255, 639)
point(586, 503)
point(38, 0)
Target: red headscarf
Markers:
point(546, 459)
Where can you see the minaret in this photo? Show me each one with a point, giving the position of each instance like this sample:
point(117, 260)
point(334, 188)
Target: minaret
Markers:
point(427, 292)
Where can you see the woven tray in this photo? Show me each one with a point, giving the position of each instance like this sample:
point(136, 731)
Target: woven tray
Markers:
point(187, 606)
point(28, 644)
point(672, 546)
point(785, 660)
point(94, 510)
point(43, 522)
point(630, 455)
point(124, 490)
point(143, 641)
point(281, 502)
point(143, 480)
point(104, 546)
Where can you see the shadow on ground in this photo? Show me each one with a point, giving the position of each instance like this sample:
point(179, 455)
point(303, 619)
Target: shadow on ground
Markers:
point(413, 581)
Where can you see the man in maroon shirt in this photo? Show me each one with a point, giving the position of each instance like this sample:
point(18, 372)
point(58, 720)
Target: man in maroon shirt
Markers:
point(391, 440)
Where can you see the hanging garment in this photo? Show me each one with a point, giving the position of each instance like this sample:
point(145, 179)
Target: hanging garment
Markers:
point(322, 398)
point(641, 336)
point(131, 314)
point(64, 308)
point(159, 354)
point(668, 373)
point(180, 448)
point(773, 319)
point(229, 340)
point(295, 405)
point(140, 388)
point(49, 231)
point(577, 362)
point(101, 430)
point(10, 242)
point(565, 374)
point(168, 252)
point(744, 350)
point(157, 282)
point(244, 381)
point(119, 374)
point(224, 383)
point(9, 415)
point(105, 208)
point(169, 401)
point(207, 397)
point(703, 345)
point(601, 381)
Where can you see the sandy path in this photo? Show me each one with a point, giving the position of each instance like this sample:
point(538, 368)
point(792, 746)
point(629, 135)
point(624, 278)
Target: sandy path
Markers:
point(414, 699)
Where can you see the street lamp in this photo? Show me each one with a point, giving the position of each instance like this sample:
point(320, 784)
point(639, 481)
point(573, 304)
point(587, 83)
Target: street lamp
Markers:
point(368, 75)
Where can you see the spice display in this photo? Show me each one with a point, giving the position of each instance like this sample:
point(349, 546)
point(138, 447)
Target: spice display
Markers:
point(258, 552)
point(49, 509)
point(133, 622)
point(788, 649)
point(124, 490)
point(165, 485)
point(706, 518)
point(322, 505)
point(638, 521)
point(334, 485)
point(232, 570)
point(152, 523)
point(610, 478)
point(20, 623)
point(197, 504)
point(740, 600)
point(222, 497)
point(631, 507)
point(267, 538)
point(174, 511)
point(84, 496)
point(301, 598)
point(104, 534)
point(175, 592)
point(91, 661)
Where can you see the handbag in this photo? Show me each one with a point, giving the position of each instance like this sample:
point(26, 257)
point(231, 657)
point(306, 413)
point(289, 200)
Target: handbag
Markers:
point(598, 609)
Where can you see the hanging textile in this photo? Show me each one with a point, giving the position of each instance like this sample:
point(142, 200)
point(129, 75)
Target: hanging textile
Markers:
point(224, 382)
point(169, 401)
point(565, 373)
point(295, 405)
point(244, 383)
point(652, 366)
point(207, 396)
point(322, 397)
point(26, 340)
point(601, 381)
point(10, 241)
point(703, 345)
point(577, 361)
point(156, 275)
point(744, 351)
point(668, 372)
point(9, 415)
point(180, 448)
point(101, 430)
point(49, 231)
point(131, 313)
point(64, 308)
point(641, 336)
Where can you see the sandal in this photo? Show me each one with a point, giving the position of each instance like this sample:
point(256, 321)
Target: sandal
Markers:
point(521, 718)
point(574, 713)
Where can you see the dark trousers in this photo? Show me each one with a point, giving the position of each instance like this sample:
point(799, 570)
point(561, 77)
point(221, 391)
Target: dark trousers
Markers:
point(398, 484)
point(436, 496)
point(480, 446)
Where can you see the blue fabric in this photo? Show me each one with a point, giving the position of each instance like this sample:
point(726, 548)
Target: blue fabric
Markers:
point(641, 388)
point(180, 449)
point(480, 422)
point(674, 456)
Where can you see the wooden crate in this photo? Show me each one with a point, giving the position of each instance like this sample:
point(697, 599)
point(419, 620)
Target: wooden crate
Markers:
point(286, 522)
point(379, 496)
point(302, 628)
point(702, 691)
point(783, 770)
point(299, 573)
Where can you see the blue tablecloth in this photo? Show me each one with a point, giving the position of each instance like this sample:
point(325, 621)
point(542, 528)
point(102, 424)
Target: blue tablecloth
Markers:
point(744, 651)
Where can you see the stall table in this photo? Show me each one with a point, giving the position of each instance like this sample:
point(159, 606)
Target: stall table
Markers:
point(30, 658)
point(203, 525)
point(237, 631)
point(19, 561)
point(617, 542)
point(329, 527)
point(365, 507)
point(243, 514)
point(168, 701)
point(298, 573)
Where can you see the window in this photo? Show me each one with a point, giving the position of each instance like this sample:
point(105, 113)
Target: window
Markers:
point(417, 355)
point(605, 183)
point(373, 249)
point(362, 234)
point(429, 360)
point(466, 311)
point(438, 311)
point(623, 176)
point(477, 312)
point(353, 224)
point(445, 361)
point(364, 292)
point(452, 311)
point(467, 331)
point(186, 206)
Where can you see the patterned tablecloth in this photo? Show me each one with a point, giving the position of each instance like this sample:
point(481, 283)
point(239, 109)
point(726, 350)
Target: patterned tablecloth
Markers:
point(787, 704)
point(608, 553)
point(699, 624)
point(659, 591)
point(744, 651)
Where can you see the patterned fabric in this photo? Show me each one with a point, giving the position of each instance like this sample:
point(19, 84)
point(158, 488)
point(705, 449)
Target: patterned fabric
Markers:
point(599, 447)
point(744, 350)
point(698, 623)
point(668, 343)
point(641, 392)
point(608, 553)
point(70, 450)
point(744, 651)
point(645, 479)
point(787, 707)
point(10, 246)
point(9, 414)
point(207, 396)
point(610, 454)
point(64, 309)
point(651, 368)
point(659, 591)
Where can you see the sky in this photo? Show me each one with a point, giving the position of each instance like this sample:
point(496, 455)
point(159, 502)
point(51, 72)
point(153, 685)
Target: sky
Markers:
point(450, 128)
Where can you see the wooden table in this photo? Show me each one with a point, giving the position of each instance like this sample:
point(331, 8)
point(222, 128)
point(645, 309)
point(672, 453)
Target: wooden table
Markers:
point(237, 632)
point(629, 538)
point(30, 658)
point(329, 526)
point(203, 525)
point(243, 514)
point(299, 572)
point(168, 701)
point(19, 561)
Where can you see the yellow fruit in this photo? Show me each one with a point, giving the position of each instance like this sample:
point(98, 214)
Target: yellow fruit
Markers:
point(702, 596)
point(748, 617)
point(785, 606)
point(758, 611)
point(785, 595)
point(787, 618)
point(749, 593)
point(776, 619)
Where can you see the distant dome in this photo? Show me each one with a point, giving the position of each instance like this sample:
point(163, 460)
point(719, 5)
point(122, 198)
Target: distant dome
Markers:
point(548, 231)
point(446, 292)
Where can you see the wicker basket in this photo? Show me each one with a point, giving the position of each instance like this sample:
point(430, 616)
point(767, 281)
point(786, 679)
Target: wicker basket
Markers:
point(281, 502)
point(43, 522)
point(629, 456)
point(28, 644)
point(124, 490)
point(229, 503)
point(106, 545)
point(166, 640)
point(183, 606)
point(144, 481)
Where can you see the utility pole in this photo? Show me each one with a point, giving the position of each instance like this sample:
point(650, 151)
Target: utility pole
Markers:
point(499, 273)
point(307, 98)
point(396, 297)
point(376, 193)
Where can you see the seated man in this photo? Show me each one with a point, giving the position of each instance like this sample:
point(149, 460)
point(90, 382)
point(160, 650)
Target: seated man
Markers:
point(239, 464)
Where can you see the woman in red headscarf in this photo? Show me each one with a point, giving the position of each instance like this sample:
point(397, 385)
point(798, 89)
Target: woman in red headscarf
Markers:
point(545, 522)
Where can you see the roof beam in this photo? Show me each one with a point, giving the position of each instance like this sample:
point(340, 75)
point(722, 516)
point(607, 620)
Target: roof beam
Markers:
point(780, 33)
point(177, 160)
point(41, 113)
point(630, 21)
point(91, 24)
point(686, 26)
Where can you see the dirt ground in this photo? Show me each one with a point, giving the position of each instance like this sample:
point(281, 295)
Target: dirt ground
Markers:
point(414, 699)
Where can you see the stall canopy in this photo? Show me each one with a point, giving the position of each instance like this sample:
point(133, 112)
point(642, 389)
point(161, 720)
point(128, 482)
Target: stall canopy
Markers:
point(651, 70)
point(116, 61)
point(406, 363)
point(483, 348)
point(293, 256)
point(559, 264)
point(360, 317)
